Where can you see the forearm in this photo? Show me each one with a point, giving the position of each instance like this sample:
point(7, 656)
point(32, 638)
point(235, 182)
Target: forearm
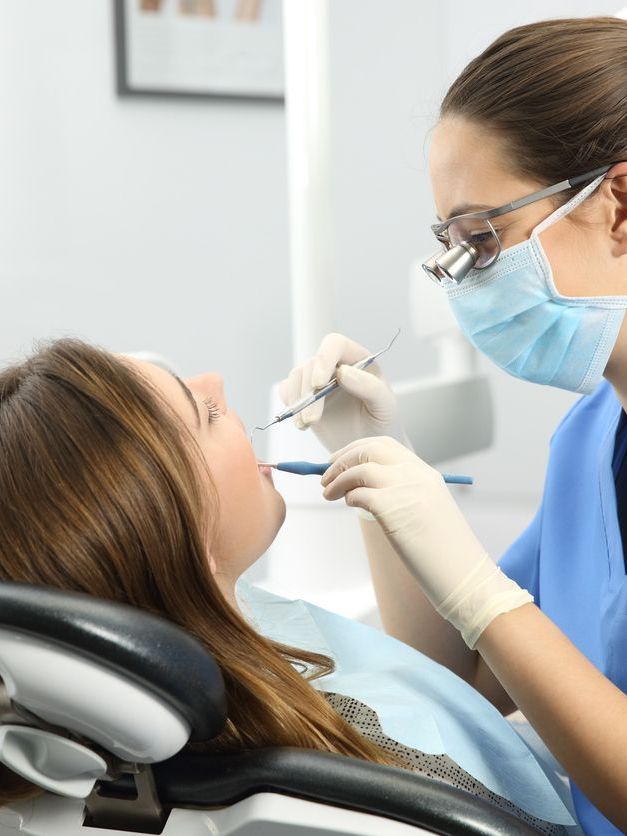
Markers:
point(579, 713)
point(406, 613)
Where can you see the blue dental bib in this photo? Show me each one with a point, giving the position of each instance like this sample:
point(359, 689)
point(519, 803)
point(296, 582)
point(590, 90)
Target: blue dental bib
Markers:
point(418, 702)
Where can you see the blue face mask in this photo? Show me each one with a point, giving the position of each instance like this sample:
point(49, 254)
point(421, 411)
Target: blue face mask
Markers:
point(514, 314)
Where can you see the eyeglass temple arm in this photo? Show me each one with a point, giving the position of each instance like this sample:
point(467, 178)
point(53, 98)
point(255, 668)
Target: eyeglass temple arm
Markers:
point(570, 183)
point(590, 175)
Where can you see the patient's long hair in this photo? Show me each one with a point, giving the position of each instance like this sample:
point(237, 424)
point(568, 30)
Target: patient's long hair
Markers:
point(100, 492)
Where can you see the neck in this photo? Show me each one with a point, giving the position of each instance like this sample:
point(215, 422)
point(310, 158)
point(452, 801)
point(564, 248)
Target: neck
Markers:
point(226, 584)
point(616, 370)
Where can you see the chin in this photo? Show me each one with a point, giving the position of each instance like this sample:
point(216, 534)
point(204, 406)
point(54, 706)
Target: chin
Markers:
point(274, 519)
point(242, 554)
point(277, 512)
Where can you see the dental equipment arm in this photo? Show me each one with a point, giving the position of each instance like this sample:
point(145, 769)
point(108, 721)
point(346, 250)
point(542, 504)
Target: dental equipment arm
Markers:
point(417, 513)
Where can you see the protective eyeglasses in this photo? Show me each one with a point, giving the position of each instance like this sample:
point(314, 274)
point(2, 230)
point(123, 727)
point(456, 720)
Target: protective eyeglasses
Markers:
point(470, 241)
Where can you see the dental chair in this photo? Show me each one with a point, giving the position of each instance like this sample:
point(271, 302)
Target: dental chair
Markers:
point(98, 704)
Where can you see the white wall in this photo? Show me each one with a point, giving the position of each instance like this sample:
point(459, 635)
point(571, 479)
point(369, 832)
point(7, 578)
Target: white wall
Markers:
point(136, 223)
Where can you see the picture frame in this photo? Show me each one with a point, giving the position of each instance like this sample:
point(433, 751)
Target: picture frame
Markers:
point(229, 49)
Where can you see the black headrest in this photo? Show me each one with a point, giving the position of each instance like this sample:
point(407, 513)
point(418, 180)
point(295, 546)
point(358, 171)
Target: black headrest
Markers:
point(158, 655)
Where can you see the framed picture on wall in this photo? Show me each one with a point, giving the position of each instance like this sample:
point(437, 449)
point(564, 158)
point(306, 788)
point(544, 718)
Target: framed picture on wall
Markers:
point(199, 48)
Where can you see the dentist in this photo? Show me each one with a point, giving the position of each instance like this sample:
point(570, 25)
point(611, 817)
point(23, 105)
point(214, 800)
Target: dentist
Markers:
point(529, 171)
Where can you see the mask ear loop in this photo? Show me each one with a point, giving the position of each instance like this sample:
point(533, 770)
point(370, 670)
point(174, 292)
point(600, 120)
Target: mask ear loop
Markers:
point(568, 207)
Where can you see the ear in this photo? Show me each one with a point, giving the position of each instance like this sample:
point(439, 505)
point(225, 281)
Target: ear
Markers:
point(213, 566)
point(617, 182)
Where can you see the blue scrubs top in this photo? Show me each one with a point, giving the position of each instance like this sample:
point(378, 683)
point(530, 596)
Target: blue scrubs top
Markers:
point(571, 556)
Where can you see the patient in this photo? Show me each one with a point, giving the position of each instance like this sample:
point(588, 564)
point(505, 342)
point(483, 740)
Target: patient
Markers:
point(120, 480)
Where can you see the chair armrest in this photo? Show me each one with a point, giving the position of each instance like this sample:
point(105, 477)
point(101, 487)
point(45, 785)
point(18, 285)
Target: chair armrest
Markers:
point(202, 780)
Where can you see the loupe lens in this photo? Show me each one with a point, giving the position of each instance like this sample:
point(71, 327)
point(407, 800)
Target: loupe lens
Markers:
point(481, 237)
point(451, 266)
point(434, 272)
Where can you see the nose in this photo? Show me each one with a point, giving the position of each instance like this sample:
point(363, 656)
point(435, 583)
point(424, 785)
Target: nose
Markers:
point(205, 380)
point(208, 383)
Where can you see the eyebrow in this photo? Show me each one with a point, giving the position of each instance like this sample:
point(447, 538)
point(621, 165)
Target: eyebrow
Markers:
point(464, 208)
point(189, 397)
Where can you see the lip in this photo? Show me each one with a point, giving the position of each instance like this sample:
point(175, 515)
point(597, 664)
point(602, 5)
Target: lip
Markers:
point(266, 471)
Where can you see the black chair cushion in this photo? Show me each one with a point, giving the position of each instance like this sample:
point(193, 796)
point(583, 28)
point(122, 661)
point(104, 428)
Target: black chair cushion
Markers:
point(200, 780)
point(144, 648)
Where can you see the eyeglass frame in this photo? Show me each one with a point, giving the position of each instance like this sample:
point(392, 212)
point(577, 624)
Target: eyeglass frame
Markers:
point(488, 214)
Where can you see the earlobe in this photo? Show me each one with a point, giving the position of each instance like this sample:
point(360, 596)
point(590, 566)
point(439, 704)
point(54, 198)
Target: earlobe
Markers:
point(213, 566)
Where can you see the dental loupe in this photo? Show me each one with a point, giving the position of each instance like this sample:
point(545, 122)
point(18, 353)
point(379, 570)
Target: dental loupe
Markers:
point(451, 266)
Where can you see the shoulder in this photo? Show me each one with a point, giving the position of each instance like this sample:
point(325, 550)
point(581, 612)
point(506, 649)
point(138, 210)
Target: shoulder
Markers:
point(599, 408)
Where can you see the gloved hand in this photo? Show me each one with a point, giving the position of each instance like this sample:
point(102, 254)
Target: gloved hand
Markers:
point(362, 405)
point(419, 517)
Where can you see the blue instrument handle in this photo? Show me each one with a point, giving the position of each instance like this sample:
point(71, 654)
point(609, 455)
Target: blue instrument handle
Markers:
point(313, 469)
point(454, 479)
point(304, 468)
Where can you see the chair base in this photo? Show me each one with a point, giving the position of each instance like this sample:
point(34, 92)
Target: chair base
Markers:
point(263, 814)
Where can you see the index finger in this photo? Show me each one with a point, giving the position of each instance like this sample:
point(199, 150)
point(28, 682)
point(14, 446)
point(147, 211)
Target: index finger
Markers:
point(335, 350)
point(374, 450)
point(363, 442)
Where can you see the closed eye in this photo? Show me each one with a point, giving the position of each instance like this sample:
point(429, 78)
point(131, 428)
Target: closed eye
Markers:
point(212, 408)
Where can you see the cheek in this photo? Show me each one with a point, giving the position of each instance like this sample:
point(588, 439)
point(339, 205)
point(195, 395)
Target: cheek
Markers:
point(567, 252)
point(241, 487)
point(251, 510)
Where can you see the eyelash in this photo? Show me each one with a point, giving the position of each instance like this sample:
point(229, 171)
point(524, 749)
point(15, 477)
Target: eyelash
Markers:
point(212, 409)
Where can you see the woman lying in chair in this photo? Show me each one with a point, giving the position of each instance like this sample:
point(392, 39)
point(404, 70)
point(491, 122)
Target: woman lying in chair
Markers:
point(119, 480)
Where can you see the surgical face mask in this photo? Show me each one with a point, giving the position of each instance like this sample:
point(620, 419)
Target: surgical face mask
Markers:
point(513, 313)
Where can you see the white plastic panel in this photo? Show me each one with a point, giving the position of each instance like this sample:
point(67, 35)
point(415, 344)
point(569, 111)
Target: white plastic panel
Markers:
point(55, 763)
point(265, 814)
point(91, 700)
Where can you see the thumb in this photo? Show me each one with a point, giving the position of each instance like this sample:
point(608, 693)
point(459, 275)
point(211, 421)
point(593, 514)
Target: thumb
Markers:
point(373, 391)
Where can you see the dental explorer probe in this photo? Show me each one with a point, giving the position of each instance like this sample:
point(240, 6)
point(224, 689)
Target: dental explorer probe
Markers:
point(311, 468)
point(331, 386)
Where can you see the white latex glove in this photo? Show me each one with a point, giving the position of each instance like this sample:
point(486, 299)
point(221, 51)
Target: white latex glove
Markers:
point(420, 518)
point(362, 405)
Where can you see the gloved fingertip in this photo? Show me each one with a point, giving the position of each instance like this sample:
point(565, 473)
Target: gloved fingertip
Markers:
point(317, 410)
point(357, 381)
point(307, 416)
point(344, 371)
point(298, 422)
point(350, 373)
point(318, 377)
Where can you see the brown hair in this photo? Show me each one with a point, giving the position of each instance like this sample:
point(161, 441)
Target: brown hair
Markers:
point(555, 91)
point(100, 493)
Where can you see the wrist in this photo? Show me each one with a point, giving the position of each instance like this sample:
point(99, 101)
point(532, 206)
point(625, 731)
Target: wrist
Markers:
point(366, 515)
point(483, 594)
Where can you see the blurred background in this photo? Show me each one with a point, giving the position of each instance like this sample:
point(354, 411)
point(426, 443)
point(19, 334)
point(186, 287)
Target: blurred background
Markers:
point(161, 222)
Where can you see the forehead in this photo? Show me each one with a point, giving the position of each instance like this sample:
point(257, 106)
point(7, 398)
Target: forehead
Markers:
point(468, 165)
point(155, 374)
point(165, 382)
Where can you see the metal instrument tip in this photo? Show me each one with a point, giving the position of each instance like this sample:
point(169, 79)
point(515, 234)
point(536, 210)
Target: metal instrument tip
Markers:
point(254, 429)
